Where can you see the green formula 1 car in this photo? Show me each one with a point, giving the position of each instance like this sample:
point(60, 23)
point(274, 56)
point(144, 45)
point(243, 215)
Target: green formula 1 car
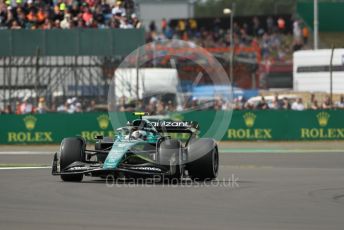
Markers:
point(141, 149)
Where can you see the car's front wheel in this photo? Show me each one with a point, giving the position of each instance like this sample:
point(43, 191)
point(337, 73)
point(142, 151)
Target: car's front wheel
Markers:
point(72, 149)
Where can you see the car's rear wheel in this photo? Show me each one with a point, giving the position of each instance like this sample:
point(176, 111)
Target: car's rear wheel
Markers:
point(204, 160)
point(72, 149)
point(170, 152)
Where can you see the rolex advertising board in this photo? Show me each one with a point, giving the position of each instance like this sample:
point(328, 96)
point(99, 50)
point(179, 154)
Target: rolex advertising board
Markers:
point(52, 128)
point(287, 125)
point(253, 125)
point(317, 125)
point(244, 126)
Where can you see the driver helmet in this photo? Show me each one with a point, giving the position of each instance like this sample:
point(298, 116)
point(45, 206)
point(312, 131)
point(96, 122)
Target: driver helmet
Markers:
point(139, 134)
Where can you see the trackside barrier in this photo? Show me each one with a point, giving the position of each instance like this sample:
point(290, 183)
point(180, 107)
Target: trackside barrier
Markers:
point(245, 125)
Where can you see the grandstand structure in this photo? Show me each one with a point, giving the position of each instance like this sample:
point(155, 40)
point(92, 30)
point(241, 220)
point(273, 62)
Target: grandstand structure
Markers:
point(60, 64)
point(80, 61)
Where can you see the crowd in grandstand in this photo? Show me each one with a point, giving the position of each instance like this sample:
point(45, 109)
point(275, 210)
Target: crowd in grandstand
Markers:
point(269, 35)
point(273, 37)
point(29, 105)
point(286, 103)
point(156, 106)
point(65, 14)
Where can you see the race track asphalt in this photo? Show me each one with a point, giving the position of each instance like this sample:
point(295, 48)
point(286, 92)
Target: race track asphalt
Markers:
point(289, 190)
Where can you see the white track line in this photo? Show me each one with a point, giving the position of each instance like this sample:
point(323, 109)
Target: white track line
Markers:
point(25, 153)
point(14, 168)
point(227, 150)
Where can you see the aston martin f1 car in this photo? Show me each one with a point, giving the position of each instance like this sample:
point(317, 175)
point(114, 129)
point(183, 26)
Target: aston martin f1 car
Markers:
point(141, 149)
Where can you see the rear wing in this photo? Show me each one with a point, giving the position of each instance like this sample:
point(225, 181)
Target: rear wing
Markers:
point(176, 126)
point(166, 126)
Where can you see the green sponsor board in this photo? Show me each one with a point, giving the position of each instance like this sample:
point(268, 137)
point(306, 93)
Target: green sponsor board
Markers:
point(286, 125)
point(244, 125)
point(52, 128)
point(316, 125)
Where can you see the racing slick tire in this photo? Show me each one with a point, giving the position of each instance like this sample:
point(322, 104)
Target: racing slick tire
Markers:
point(72, 149)
point(203, 160)
point(170, 155)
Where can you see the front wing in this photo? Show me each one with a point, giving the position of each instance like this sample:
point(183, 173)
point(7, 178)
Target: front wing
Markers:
point(122, 170)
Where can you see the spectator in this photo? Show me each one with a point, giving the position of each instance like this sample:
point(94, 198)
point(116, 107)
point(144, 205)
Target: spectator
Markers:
point(125, 24)
point(193, 26)
point(66, 22)
point(71, 105)
point(21, 18)
point(257, 29)
point(170, 107)
point(160, 107)
point(58, 14)
point(311, 102)
point(297, 36)
point(47, 25)
point(91, 107)
point(87, 16)
point(57, 24)
point(262, 104)
point(151, 107)
point(314, 105)
point(62, 108)
point(181, 26)
point(152, 27)
point(305, 34)
point(275, 103)
point(8, 110)
point(286, 104)
point(340, 103)
point(270, 25)
point(9, 17)
point(281, 25)
point(40, 15)
point(135, 21)
point(15, 25)
point(297, 30)
point(298, 105)
point(218, 104)
point(248, 106)
point(99, 17)
point(163, 25)
point(78, 107)
point(327, 103)
point(118, 10)
point(42, 107)
point(74, 11)
point(25, 107)
point(237, 104)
